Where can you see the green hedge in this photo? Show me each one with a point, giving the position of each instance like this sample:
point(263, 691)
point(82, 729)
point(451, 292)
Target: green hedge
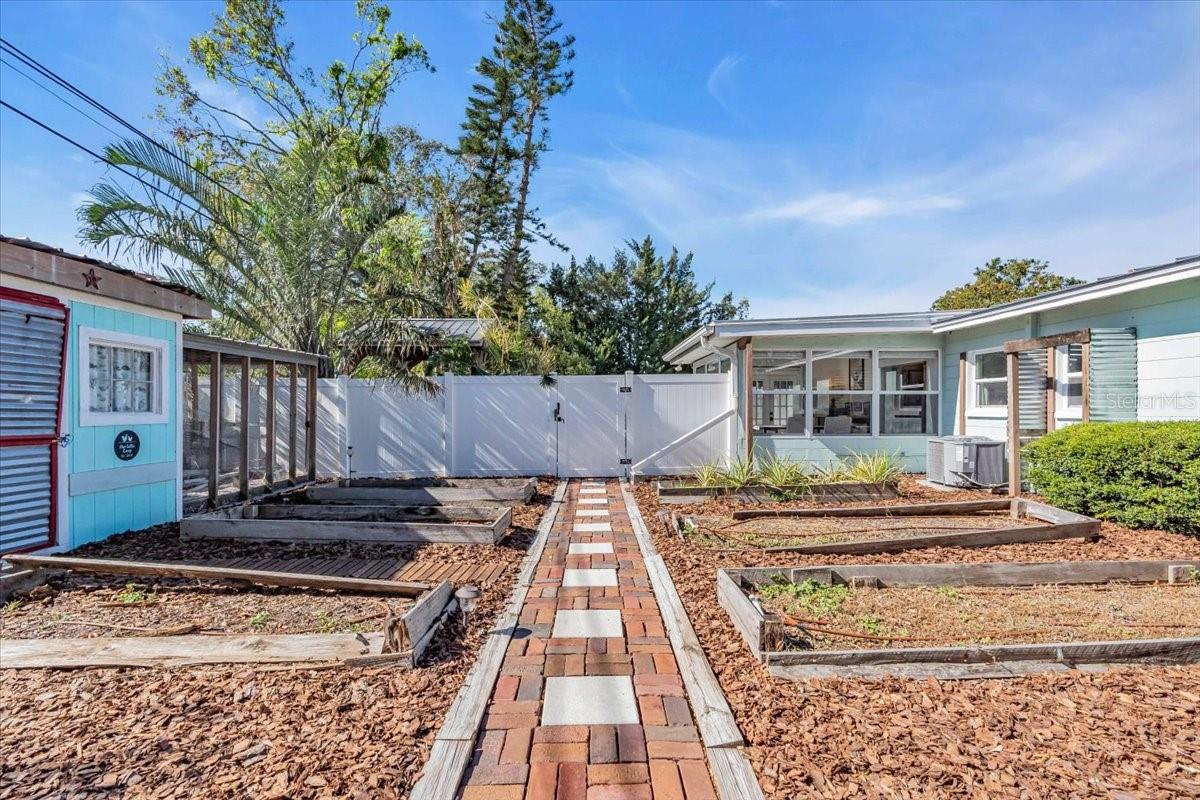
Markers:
point(1138, 474)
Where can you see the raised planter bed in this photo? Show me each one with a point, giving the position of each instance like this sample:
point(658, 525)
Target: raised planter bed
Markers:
point(426, 491)
point(765, 631)
point(353, 523)
point(1054, 524)
point(684, 492)
point(401, 644)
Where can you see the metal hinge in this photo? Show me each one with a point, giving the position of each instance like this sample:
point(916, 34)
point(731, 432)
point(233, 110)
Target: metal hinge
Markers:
point(626, 461)
point(624, 389)
point(64, 440)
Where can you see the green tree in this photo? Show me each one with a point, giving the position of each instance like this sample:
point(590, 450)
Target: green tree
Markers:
point(539, 60)
point(275, 220)
point(999, 282)
point(624, 317)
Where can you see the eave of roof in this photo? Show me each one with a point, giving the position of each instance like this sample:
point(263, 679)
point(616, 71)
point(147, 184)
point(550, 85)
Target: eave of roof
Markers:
point(839, 325)
point(1133, 280)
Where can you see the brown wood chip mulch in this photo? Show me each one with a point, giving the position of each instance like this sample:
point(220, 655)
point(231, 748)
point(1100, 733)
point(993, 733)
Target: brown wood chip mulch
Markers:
point(1126, 733)
point(238, 732)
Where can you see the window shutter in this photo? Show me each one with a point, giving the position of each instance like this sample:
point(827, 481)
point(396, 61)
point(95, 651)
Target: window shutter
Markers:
point(1031, 384)
point(1112, 375)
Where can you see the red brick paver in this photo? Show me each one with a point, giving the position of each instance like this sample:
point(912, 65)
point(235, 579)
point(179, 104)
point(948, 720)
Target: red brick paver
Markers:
point(661, 756)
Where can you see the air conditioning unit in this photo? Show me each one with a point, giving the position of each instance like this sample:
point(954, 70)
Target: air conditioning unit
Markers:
point(968, 461)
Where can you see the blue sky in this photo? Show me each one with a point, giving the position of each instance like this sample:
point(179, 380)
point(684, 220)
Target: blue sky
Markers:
point(840, 158)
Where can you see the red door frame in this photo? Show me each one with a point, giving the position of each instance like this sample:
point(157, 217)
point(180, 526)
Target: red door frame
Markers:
point(50, 441)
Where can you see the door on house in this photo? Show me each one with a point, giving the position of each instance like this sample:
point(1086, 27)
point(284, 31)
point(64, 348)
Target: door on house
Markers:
point(590, 425)
point(32, 358)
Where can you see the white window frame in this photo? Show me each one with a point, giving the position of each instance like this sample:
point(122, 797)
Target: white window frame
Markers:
point(973, 407)
point(157, 349)
point(1061, 409)
point(880, 392)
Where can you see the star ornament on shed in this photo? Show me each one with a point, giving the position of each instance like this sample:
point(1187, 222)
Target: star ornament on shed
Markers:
point(90, 279)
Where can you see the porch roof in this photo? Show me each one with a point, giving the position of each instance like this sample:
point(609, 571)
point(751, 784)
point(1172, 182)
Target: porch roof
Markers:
point(726, 332)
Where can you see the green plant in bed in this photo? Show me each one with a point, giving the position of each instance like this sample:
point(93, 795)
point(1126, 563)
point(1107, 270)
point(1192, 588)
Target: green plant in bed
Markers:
point(815, 598)
point(875, 468)
point(131, 595)
point(776, 472)
point(708, 476)
point(740, 473)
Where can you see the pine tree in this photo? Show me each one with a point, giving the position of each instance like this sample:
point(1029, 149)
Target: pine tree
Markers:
point(487, 151)
point(539, 61)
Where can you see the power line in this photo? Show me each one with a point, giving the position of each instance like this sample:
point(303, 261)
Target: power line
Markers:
point(111, 163)
point(50, 74)
point(55, 94)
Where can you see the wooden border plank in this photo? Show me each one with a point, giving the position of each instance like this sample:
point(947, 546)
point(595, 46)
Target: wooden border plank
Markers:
point(455, 740)
point(184, 651)
point(242, 524)
point(984, 538)
point(746, 618)
point(260, 577)
point(1158, 651)
point(914, 510)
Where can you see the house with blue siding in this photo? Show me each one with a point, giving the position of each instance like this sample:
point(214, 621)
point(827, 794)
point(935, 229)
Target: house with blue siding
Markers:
point(90, 397)
point(816, 389)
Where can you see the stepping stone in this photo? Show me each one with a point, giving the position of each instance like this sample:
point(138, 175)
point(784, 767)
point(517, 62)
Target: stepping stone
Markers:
point(594, 501)
point(589, 548)
point(589, 577)
point(593, 490)
point(593, 527)
point(591, 512)
point(590, 624)
point(589, 700)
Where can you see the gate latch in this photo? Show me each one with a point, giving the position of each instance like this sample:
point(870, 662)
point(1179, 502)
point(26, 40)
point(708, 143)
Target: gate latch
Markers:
point(624, 389)
point(626, 461)
point(64, 440)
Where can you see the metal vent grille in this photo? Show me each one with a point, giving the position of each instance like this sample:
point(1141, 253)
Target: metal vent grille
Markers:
point(31, 341)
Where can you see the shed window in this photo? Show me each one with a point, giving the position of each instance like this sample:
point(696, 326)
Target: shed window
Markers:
point(908, 384)
point(124, 379)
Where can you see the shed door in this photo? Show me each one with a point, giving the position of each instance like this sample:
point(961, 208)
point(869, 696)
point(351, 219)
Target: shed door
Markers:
point(32, 352)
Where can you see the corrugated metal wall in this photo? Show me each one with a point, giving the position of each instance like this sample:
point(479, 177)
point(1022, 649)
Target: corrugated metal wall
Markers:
point(1113, 375)
point(31, 347)
point(1031, 395)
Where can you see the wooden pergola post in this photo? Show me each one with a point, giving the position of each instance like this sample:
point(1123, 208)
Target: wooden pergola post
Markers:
point(747, 348)
point(962, 394)
point(244, 433)
point(310, 422)
point(1014, 427)
point(1051, 387)
point(214, 426)
point(292, 387)
point(269, 467)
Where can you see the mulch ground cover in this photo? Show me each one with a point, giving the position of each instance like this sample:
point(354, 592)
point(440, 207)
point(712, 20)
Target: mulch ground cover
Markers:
point(842, 618)
point(1125, 733)
point(238, 731)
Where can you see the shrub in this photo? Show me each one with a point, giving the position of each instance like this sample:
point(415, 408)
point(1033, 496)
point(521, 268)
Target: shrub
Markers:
point(1138, 474)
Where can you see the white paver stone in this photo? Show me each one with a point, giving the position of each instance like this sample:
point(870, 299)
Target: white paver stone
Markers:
point(589, 577)
point(589, 624)
point(593, 490)
point(593, 527)
point(590, 700)
point(591, 512)
point(589, 548)
point(593, 501)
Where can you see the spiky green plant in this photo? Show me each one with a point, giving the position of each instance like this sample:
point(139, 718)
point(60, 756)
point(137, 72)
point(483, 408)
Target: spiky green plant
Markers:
point(835, 472)
point(778, 471)
point(740, 473)
point(875, 468)
point(708, 475)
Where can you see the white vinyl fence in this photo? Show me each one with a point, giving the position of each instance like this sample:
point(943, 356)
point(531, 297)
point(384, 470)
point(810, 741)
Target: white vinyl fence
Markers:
point(516, 425)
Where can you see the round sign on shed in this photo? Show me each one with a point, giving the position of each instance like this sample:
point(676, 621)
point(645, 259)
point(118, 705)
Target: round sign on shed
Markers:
point(127, 445)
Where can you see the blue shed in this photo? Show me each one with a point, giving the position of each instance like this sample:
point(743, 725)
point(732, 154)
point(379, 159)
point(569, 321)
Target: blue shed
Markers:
point(90, 397)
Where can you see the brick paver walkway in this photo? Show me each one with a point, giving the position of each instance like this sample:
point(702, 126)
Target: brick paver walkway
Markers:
point(622, 724)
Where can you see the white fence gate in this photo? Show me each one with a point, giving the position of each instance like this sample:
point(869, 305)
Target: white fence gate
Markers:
point(517, 425)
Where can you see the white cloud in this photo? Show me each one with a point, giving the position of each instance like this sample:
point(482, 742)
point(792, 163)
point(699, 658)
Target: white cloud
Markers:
point(843, 208)
point(720, 79)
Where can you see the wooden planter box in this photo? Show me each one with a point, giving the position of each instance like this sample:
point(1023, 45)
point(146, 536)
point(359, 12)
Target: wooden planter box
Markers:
point(764, 631)
point(683, 492)
point(426, 492)
point(1060, 524)
point(351, 523)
